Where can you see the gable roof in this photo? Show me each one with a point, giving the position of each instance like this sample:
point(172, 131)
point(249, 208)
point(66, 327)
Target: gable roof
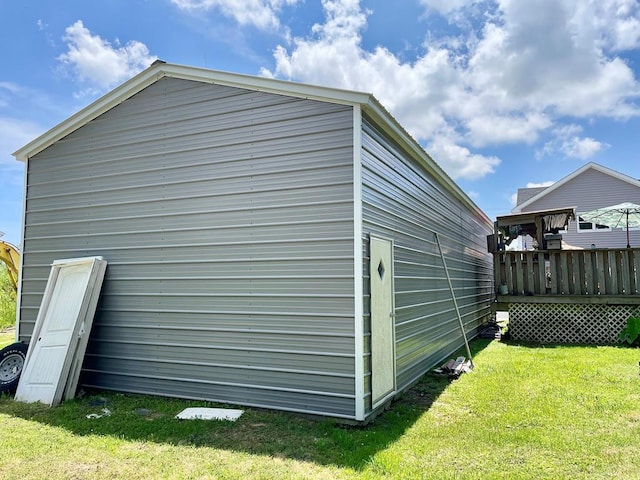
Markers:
point(160, 69)
point(365, 102)
point(589, 166)
point(525, 194)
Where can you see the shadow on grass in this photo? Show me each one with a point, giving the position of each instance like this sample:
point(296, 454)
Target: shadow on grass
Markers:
point(260, 432)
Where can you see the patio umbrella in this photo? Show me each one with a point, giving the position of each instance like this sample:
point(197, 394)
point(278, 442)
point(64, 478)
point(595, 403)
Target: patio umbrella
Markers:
point(626, 213)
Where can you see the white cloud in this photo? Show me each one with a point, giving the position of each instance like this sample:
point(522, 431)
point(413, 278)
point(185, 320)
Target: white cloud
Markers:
point(415, 86)
point(460, 162)
point(511, 128)
point(627, 34)
point(262, 14)
point(616, 23)
point(14, 133)
point(444, 7)
point(544, 58)
point(525, 70)
point(99, 64)
point(568, 143)
point(7, 91)
point(44, 28)
point(548, 183)
point(581, 148)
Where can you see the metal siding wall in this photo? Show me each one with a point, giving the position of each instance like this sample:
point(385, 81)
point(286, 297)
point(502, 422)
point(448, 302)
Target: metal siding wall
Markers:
point(404, 202)
point(590, 190)
point(226, 217)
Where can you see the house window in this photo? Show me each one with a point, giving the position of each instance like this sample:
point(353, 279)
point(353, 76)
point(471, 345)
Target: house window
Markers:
point(584, 226)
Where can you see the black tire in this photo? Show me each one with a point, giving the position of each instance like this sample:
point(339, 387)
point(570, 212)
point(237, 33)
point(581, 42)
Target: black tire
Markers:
point(11, 365)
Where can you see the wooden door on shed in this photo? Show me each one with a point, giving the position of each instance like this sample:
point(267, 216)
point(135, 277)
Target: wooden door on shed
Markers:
point(382, 320)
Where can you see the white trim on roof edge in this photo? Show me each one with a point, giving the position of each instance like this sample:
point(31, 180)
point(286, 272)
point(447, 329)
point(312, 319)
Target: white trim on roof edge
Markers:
point(571, 176)
point(390, 125)
point(160, 69)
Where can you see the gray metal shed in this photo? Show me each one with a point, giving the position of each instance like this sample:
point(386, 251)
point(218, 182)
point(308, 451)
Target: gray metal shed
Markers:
point(241, 217)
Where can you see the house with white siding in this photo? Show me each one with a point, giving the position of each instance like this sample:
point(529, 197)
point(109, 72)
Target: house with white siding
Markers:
point(590, 187)
point(269, 243)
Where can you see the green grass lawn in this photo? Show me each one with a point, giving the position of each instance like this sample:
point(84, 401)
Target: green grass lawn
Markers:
point(525, 412)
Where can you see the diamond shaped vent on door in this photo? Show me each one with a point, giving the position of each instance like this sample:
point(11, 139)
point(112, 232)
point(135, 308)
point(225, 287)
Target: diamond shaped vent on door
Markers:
point(381, 270)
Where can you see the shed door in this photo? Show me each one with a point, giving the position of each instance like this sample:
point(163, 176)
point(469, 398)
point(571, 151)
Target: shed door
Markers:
point(382, 320)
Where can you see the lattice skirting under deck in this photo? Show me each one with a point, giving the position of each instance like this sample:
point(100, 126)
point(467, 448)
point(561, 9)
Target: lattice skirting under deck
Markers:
point(569, 323)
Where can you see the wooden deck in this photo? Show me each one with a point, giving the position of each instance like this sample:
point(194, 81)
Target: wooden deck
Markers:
point(568, 273)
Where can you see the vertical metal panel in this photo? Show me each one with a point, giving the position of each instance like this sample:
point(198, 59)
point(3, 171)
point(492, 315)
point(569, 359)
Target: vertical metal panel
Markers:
point(226, 216)
point(402, 201)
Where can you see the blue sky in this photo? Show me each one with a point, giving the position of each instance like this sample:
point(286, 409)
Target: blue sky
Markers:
point(503, 94)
